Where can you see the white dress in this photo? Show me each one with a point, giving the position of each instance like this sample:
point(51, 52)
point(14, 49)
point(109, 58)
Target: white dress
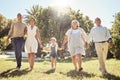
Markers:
point(31, 44)
point(75, 42)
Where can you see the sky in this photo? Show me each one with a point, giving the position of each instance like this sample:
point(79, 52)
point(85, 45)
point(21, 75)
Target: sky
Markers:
point(105, 9)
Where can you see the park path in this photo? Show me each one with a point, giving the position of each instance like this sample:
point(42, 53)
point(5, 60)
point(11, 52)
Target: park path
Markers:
point(11, 54)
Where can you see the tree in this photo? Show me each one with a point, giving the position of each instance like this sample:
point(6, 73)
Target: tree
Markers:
point(4, 29)
point(53, 21)
point(115, 31)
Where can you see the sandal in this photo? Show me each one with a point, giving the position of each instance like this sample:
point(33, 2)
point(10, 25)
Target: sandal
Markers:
point(80, 69)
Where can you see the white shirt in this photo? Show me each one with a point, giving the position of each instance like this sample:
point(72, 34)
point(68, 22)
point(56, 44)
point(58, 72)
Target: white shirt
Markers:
point(99, 33)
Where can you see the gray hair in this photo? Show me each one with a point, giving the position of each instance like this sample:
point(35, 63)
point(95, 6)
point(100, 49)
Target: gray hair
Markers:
point(75, 21)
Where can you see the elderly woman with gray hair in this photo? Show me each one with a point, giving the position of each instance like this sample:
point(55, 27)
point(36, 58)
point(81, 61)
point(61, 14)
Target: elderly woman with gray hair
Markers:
point(76, 38)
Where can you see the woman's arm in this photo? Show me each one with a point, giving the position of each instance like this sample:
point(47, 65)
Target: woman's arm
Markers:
point(65, 40)
point(84, 37)
point(38, 37)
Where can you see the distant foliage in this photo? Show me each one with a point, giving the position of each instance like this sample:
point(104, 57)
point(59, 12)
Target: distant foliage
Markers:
point(53, 21)
point(115, 31)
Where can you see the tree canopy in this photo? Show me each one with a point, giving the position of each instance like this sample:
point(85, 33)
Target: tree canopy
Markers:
point(53, 21)
point(115, 31)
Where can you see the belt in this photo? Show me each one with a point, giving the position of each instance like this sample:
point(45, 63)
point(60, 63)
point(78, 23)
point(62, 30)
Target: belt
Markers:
point(101, 42)
point(18, 37)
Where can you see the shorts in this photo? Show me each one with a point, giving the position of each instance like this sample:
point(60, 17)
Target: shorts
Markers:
point(53, 55)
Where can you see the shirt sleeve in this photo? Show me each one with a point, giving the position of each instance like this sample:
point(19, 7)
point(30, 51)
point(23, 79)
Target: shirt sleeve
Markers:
point(68, 32)
point(90, 36)
point(107, 33)
point(11, 30)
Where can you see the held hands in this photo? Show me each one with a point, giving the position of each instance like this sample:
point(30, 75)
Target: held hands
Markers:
point(60, 48)
point(86, 45)
point(7, 41)
point(110, 44)
point(41, 46)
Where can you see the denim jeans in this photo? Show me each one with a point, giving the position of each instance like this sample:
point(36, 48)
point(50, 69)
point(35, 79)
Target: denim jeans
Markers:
point(18, 44)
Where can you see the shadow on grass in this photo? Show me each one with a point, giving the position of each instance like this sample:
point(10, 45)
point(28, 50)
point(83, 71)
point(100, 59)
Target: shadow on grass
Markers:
point(50, 71)
point(89, 59)
point(14, 60)
point(13, 73)
point(78, 75)
point(66, 60)
point(111, 77)
point(69, 60)
point(25, 60)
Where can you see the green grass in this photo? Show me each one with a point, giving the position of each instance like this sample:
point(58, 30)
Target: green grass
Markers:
point(64, 71)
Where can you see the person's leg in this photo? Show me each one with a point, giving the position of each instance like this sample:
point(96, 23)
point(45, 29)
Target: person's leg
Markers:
point(16, 47)
point(79, 57)
point(74, 61)
point(105, 51)
point(99, 50)
point(20, 43)
point(14, 43)
point(52, 61)
point(29, 58)
point(32, 60)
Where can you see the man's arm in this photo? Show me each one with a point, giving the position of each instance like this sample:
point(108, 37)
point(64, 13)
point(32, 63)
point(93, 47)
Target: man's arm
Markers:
point(25, 30)
point(109, 38)
point(10, 33)
point(110, 42)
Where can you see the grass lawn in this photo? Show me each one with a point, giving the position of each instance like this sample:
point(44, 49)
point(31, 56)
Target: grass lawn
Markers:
point(64, 71)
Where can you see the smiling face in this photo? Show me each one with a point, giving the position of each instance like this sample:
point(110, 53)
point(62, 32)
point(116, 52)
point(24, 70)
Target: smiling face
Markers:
point(53, 41)
point(19, 17)
point(32, 22)
point(98, 21)
point(74, 25)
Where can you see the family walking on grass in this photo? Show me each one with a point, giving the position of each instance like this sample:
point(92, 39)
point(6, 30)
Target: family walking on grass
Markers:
point(76, 38)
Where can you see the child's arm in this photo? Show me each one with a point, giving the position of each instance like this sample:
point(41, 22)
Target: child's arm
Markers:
point(60, 48)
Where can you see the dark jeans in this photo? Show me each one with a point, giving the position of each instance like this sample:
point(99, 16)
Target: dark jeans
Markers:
point(18, 44)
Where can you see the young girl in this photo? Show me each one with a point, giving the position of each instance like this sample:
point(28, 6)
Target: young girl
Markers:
point(53, 52)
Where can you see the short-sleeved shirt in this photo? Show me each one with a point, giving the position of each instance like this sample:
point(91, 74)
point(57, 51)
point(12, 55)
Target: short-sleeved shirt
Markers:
point(99, 33)
point(17, 30)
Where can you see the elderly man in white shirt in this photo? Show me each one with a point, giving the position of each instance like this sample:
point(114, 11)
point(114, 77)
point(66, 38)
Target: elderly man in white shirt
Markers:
point(101, 37)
